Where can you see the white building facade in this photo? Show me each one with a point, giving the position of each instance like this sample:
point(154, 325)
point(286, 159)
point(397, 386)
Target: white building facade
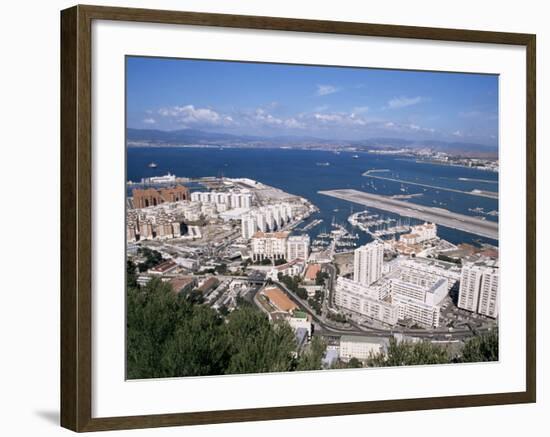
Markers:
point(298, 247)
point(364, 300)
point(479, 289)
point(271, 245)
point(368, 259)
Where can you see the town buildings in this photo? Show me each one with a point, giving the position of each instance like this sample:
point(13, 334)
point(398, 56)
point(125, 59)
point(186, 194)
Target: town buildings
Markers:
point(361, 347)
point(292, 268)
point(298, 247)
point(479, 288)
point(269, 218)
point(364, 300)
point(409, 291)
point(279, 245)
point(224, 199)
point(144, 198)
point(368, 263)
point(269, 245)
point(420, 233)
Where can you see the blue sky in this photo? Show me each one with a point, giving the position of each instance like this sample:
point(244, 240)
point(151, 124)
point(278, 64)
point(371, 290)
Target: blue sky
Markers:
point(324, 102)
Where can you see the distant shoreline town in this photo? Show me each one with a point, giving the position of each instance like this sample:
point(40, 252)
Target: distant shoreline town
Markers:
point(423, 155)
point(235, 239)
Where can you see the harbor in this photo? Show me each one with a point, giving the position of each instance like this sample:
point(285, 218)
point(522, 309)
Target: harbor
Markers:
point(443, 217)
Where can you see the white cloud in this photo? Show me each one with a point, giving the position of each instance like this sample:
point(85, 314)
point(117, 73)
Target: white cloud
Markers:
point(360, 109)
point(188, 115)
point(402, 102)
point(325, 90)
point(149, 121)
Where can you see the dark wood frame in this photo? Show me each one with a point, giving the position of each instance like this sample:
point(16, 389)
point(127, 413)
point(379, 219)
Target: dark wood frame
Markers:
point(76, 218)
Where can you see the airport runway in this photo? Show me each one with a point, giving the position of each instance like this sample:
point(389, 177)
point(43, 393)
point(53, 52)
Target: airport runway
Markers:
point(440, 216)
point(481, 193)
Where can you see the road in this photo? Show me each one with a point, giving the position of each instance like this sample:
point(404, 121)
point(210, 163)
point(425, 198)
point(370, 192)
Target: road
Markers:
point(443, 217)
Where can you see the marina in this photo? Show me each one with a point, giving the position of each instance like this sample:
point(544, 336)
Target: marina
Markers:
point(440, 216)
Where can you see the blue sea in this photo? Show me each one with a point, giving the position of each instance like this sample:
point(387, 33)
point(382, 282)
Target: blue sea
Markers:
point(297, 172)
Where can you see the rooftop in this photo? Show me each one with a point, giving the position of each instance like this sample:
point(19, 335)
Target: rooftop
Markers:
point(278, 298)
point(311, 272)
point(270, 235)
point(362, 339)
point(181, 282)
point(164, 266)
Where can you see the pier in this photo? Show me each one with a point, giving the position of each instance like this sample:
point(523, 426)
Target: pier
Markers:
point(443, 217)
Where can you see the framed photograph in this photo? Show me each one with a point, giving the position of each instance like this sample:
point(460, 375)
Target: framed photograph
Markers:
point(268, 218)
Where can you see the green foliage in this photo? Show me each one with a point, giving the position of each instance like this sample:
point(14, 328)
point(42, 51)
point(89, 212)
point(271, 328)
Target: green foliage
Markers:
point(301, 292)
point(320, 278)
point(131, 276)
point(195, 296)
point(481, 348)
point(315, 305)
point(293, 284)
point(311, 358)
point(152, 258)
point(280, 262)
point(170, 335)
point(257, 346)
point(337, 317)
point(406, 353)
point(449, 259)
point(221, 269)
point(354, 363)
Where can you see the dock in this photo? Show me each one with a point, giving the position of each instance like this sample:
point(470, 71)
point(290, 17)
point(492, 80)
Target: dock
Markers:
point(443, 217)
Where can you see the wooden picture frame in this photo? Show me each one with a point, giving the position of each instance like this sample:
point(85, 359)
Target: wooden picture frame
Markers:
point(76, 217)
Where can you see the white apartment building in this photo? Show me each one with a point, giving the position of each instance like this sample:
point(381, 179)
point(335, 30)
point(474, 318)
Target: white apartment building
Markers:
point(416, 311)
point(420, 233)
point(298, 247)
point(360, 347)
point(269, 218)
point(293, 268)
point(479, 289)
point(365, 300)
point(269, 245)
point(232, 199)
point(248, 226)
point(368, 261)
point(430, 267)
point(418, 295)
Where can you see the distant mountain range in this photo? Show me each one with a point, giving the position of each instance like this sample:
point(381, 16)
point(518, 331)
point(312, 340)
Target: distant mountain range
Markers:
point(155, 137)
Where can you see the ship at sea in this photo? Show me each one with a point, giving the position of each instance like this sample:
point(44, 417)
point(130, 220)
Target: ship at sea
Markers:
point(355, 156)
point(323, 164)
point(152, 165)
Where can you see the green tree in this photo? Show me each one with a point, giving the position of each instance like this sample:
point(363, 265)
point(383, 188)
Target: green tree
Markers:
point(151, 315)
point(280, 261)
point(198, 346)
point(257, 346)
point(320, 278)
point(301, 292)
point(131, 276)
point(354, 363)
point(481, 348)
point(221, 269)
point(311, 358)
point(407, 353)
